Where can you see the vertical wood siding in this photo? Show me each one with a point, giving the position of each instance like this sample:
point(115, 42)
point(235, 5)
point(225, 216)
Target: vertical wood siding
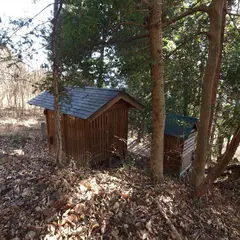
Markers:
point(188, 149)
point(178, 153)
point(172, 153)
point(109, 134)
point(76, 140)
point(50, 120)
point(91, 143)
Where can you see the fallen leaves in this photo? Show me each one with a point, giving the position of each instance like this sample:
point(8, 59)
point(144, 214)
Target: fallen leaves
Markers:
point(38, 201)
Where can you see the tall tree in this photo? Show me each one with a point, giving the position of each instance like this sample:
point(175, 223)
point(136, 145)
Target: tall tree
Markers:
point(215, 12)
point(158, 100)
point(56, 78)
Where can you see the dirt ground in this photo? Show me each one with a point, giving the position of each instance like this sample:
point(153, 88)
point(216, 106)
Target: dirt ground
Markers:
point(39, 201)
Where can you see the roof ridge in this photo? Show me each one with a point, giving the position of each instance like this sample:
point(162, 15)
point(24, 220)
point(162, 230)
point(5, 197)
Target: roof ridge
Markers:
point(109, 89)
point(95, 88)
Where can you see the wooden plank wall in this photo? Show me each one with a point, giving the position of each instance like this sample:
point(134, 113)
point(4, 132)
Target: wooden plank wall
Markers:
point(109, 133)
point(189, 144)
point(118, 126)
point(178, 153)
point(99, 139)
point(50, 120)
point(77, 140)
point(75, 137)
point(172, 153)
point(188, 149)
point(91, 143)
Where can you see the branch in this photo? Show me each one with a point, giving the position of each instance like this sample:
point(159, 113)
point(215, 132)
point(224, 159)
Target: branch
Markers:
point(164, 215)
point(235, 25)
point(59, 8)
point(30, 20)
point(185, 14)
point(147, 3)
point(233, 14)
point(184, 42)
point(117, 41)
point(139, 10)
point(129, 23)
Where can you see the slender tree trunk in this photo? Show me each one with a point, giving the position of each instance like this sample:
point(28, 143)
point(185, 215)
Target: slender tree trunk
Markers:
point(139, 136)
point(132, 130)
point(141, 130)
point(215, 13)
point(220, 142)
point(158, 101)
point(185, 106)
point(185, 95)
point(213, 147)
point(217, 74)
point(199, 91)
point(100, 80)
point(211, 143)
point(221, 165)
point(56, 76)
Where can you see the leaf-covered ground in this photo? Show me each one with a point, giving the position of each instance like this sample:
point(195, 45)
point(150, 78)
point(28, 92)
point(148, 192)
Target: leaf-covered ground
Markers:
point(38, 201)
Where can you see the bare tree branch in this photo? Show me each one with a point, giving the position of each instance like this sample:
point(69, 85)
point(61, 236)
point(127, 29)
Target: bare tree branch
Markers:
point(30, 20)
point(234, 23)
point(169, 222)
point(234, 14)
point(185, 14)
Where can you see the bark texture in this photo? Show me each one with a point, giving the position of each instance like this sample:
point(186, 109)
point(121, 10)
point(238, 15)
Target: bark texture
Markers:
point(56, 73)
point(217, 74)
point(220, 166)
point(158, 101)
point(215, 11)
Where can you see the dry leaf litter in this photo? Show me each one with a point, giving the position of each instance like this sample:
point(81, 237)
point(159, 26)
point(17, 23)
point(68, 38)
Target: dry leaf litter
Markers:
point(38, 201)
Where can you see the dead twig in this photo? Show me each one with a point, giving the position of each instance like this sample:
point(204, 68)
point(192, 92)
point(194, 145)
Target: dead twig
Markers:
point(169, 222)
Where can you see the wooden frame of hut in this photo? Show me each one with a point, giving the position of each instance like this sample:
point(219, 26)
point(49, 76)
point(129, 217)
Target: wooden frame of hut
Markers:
point(179, 143)
point(94, 123)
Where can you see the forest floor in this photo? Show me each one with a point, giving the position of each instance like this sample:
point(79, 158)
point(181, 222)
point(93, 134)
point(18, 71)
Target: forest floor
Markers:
point(38, 201)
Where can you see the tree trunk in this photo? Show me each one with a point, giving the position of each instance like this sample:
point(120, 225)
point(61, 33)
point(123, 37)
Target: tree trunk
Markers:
point(217, 74)
point(215, 13)
point(219, 143)
point(132, 130)
point(213, 147)
point(220, 166)
point(158, 101)
point(140, 131)
point(211, 143)
point(56, 76)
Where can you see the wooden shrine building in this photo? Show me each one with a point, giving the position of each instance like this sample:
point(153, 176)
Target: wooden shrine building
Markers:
point(179, 142)
point(94, 123)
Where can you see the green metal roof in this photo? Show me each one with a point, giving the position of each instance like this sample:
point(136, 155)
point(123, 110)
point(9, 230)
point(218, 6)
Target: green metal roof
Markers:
point(179, 126)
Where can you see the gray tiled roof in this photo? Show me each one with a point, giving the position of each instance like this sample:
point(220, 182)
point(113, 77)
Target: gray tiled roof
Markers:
point(81, 103)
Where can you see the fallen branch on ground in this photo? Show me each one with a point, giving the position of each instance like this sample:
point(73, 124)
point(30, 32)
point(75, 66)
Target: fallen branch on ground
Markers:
point(169, 222)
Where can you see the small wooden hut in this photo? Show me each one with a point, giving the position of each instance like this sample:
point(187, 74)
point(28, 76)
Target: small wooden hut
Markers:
point(179, 143)
point(94, 123)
